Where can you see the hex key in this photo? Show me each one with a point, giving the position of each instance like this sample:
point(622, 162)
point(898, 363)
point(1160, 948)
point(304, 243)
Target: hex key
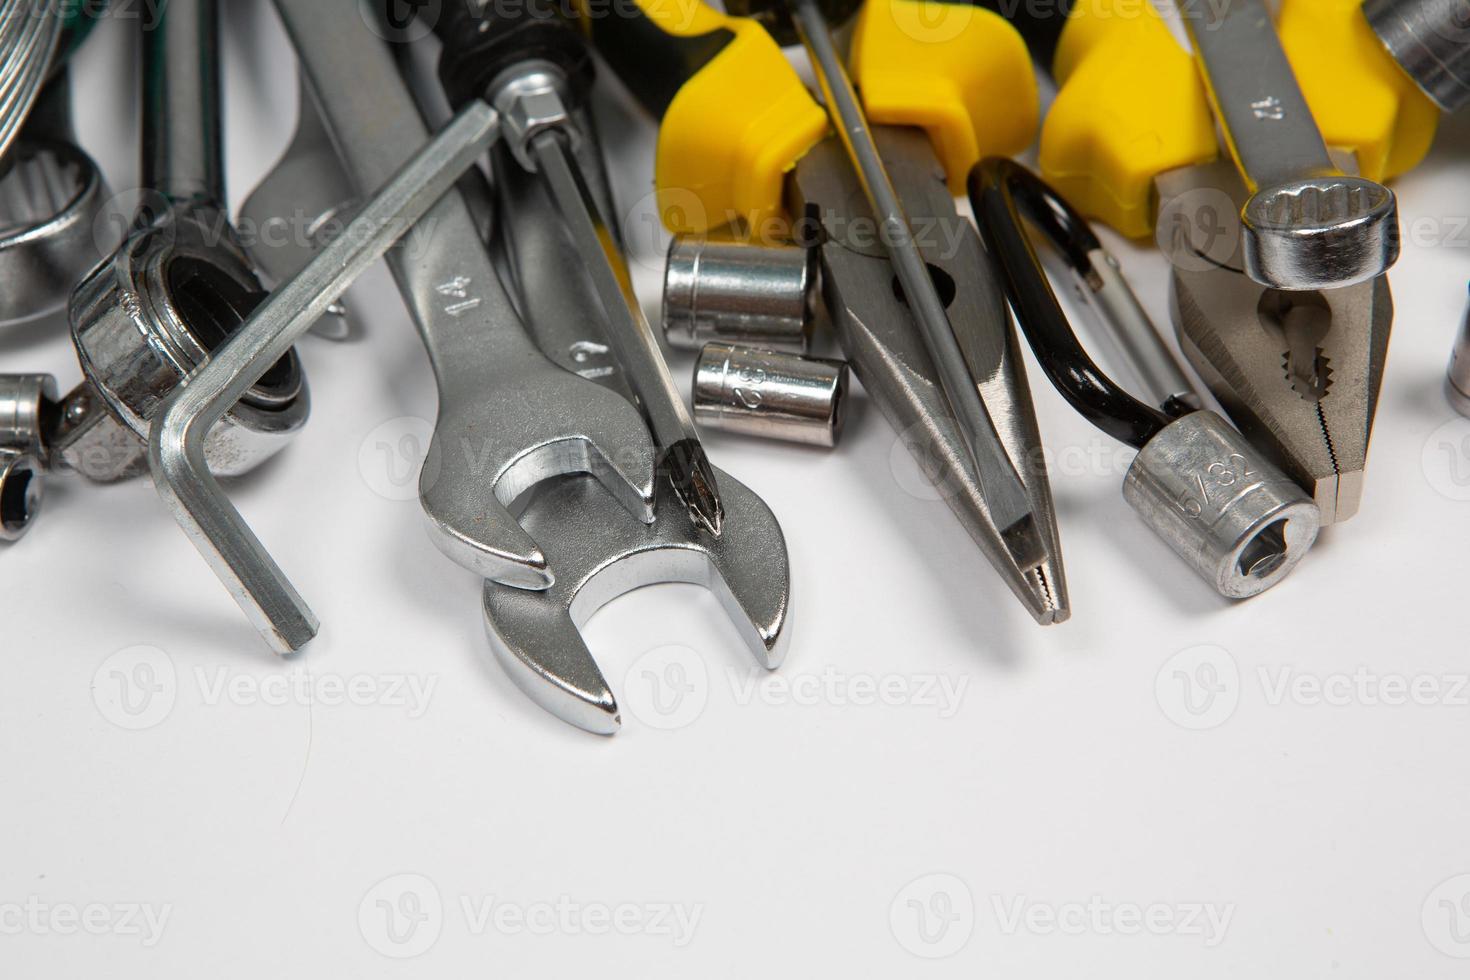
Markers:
point(176, 437)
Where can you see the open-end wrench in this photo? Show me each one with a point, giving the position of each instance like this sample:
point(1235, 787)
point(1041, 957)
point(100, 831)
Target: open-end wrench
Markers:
point(508, 417)
point(599, 552)
point(1306, 224)
point(181, 426)
point(299, 206)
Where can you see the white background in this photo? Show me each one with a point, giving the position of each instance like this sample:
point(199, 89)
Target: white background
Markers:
point(810, 834)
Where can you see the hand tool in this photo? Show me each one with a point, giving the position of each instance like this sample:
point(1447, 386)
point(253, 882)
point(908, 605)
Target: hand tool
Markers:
point(1000, 482)
point(1129, 139)
point(1217, 502)
point(178, 286)
point(598, 551)
point(760, 296)
point(508, 418)
point(770, 394)
point(1306, 224)
point(182, 425)
point(29, 32)
point(742, 144)
point(298, 206)
point(513, 60)
point(52, 197)
point(1429, 40)
point(27, 407)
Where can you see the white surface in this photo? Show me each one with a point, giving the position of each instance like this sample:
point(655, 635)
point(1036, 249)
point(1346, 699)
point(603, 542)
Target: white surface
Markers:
point(806, 830)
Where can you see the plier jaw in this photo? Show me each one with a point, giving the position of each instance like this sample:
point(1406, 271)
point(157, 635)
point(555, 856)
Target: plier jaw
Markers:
point(878, 335)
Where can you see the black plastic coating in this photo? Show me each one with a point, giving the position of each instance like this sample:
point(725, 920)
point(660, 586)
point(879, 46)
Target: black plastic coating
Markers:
point(1039, 23)
point(1003, 194)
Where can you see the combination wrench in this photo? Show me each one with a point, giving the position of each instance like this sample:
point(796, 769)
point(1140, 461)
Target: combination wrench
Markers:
point(508, 417)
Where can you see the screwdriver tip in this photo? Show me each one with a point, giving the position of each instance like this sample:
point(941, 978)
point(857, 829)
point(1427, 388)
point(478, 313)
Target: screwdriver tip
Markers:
point(694, 484)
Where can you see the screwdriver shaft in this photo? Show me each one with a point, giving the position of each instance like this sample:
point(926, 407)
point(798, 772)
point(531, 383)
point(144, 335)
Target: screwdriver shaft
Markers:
point(633, 339)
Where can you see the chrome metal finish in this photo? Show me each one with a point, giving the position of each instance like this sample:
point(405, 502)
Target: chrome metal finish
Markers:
point(879, 337)
point(1221, 506)
point(22, 489)
point(1306, 224)
point(51, 198)
point(27, 405)
point(770, 394)
point(303, 203)
point(1000, 481)
point(181, 427)
point(508, 417)
point(1122, 323)
point(1430, 39)
point(734, 293)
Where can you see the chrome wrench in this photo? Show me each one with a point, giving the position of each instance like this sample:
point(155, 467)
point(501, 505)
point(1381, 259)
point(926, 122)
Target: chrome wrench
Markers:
point(508, 417)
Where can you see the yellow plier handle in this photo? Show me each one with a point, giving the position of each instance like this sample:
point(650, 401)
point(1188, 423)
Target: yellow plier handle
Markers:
point(1130, 104)
point(736, 117)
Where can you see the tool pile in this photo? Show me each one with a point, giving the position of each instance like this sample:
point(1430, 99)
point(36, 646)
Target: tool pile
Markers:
point(788, 214)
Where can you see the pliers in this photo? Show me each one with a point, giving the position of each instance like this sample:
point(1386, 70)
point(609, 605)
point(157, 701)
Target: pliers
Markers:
point(1130, 140)
point(744, 150)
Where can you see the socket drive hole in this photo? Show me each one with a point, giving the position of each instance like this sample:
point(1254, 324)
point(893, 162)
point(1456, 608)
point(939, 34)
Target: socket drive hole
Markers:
point(19, 495)
point(944, 285)
point(214, 305)
point(1265, 553)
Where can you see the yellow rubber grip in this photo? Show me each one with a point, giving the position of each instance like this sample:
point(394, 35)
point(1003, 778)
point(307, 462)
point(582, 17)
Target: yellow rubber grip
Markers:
point(1360, 98)
point(1130, 105)
point(735, 126)
point(958, 71)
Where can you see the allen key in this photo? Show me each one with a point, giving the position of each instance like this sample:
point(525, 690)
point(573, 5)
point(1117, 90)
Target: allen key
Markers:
point(178, 430)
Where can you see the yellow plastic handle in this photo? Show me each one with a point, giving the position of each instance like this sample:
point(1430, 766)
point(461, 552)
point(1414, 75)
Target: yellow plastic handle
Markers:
point(735, 115)
point(960, 72)
point(1361, 99)
point(1130, 105)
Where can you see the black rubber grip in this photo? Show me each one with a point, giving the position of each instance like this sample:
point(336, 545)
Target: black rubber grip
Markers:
point(653, 63)
point(1039, 22)
point(480, 45)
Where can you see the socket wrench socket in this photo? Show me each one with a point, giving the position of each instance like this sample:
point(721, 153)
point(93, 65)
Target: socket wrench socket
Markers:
point(749, 295)
point(771, 394)
point(1224, 508)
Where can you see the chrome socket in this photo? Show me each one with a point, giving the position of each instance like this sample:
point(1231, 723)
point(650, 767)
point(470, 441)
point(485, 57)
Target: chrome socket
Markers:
point(22, 487)
point(770, 394)
point(748, 295)
point(1224, 508)
point(1427, 38)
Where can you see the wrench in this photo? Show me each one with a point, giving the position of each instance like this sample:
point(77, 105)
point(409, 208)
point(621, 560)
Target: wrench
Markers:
point(508, 417)
point(178, 286)
point(1306, 224)
point(297, 207)
point(599, 553)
